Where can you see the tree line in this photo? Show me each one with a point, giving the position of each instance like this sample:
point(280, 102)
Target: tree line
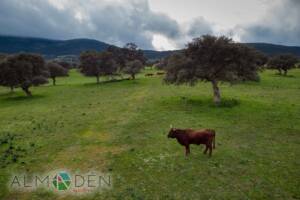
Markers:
point(113, 62)
point(207, 58)
point(25, 70)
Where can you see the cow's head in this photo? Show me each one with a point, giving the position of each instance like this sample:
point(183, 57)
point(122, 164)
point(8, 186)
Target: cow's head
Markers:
point(172, 133)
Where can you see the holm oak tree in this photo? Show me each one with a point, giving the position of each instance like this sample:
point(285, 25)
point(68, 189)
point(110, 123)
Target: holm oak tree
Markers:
point(283, 63)
point(93, 63)
point(56, 70)
point(23, 70)
point(213, 59)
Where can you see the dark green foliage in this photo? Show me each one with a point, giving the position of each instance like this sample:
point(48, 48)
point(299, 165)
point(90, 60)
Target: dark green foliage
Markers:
point(132, 52)
point(133, 67)
point(118, 55)
point(56, 70)
point(93, 63)
point(283, 62)
point(23, 70)
point(214, 59)
point(134, 59)
point(129, 52)
point(8, 76)
point(130, 58)
point(9, 152)
point(162, 63)
point(89, 64)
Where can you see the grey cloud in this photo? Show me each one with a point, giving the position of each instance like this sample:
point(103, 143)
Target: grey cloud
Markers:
point(118, 22)
point(134, 23)
point(35, 18)
point(160, 23)
point(281, 25)
point(199, 26)
point(113, 22)
point(194, 28)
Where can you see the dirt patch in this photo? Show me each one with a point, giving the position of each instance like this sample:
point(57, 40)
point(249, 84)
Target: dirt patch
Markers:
point(92, 152)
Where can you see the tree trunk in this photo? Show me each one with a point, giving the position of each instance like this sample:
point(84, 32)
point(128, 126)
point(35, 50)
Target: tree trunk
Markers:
point(133, 76)
point(26, 90)
point(285, 72)
point(217, 95)
point(98, 79)
point(11, 88)
point(54, 81)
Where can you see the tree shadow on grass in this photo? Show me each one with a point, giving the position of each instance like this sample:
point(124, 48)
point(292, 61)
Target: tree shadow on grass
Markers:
point(228, 103)
point(193, 103)
point(107, 82)
point(225, 102)
point(7, 94)
point(23, 98)
point(283, 76)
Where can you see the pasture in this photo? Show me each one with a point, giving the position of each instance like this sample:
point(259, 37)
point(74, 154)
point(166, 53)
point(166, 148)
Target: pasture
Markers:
point(121, 128)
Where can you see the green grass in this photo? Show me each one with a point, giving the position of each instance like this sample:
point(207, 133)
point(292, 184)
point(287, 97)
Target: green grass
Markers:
point(121, 128)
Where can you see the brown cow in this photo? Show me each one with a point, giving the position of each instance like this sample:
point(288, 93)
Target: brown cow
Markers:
point(160, 73)
point(149, 74)
point(185, 137)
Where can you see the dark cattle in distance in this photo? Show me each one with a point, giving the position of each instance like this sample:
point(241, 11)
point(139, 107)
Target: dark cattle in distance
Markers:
point(160, 73)
point(149, 74)
point(185, 137)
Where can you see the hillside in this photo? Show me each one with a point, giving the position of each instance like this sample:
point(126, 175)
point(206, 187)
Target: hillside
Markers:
point(152, 54)
point(52, 48)
point(273, 49)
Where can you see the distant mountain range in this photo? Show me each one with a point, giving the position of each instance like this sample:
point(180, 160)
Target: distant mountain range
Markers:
point(52, 48)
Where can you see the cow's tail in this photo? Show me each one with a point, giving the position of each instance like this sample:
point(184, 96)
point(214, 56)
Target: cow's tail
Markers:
point(214, 139)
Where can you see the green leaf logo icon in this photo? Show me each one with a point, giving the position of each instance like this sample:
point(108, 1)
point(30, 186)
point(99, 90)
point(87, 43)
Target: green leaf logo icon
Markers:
point(62, 181)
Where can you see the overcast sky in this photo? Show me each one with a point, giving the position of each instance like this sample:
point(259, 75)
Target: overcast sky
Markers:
point(153, 24)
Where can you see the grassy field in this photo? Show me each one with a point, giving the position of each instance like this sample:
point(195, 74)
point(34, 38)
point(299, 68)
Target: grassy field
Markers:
point(121, 127)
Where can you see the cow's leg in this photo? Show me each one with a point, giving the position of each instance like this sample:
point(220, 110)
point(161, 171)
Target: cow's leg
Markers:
point(187, 150)
point(206, 148)
point(214, 142)
point(210, 149)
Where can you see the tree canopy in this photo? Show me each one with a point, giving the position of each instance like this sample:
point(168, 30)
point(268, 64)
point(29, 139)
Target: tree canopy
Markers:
point(23, 70)
point(214, 59)
point(283, 62)
point(56, 70)
point(132, 52)
point(129, 52)
point(129, 60)
point(133, 67)
point(93, 63)
point(162, 63)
